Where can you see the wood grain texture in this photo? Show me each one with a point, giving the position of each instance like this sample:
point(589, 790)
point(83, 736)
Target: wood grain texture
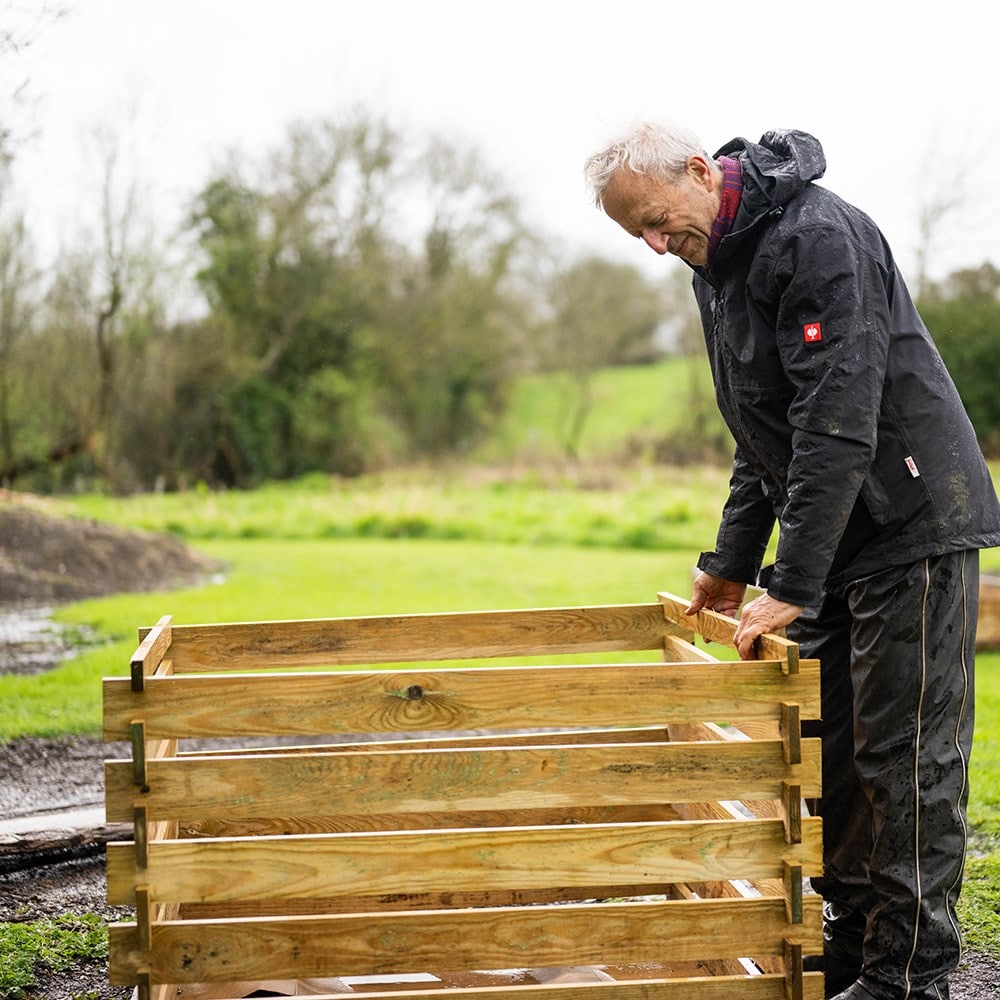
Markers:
point(373, 944)
point(395, 901)
point(720, 628)
point(508, 698)
point(404, 638)
point(691, 984)
point(462, 860)
point(449, 819)
point(150, 652)
point(438, 780)
point(988, 628)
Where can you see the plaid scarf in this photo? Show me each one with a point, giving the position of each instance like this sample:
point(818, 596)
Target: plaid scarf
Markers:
point(732, 192)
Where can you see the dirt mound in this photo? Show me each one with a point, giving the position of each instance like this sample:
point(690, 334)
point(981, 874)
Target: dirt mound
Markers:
point(51, 560)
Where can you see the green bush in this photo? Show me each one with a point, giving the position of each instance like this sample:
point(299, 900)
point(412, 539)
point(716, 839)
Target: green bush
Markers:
point(966, 329)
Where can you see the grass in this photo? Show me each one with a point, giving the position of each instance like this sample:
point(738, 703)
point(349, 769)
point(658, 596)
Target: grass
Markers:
point(27, 950)
point(633, 409)
point(984, 770)
point(642, 508)
point(979, 905)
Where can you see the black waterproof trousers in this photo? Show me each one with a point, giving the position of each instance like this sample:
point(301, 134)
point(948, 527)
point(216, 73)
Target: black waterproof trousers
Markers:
point(896, 652)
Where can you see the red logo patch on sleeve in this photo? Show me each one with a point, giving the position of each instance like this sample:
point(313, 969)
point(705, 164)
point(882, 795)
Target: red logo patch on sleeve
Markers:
point(812, 333)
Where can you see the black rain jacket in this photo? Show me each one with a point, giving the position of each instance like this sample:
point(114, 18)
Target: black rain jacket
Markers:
point(848, 427)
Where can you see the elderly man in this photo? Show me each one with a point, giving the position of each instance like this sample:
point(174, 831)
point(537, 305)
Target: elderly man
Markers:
point(850, 434)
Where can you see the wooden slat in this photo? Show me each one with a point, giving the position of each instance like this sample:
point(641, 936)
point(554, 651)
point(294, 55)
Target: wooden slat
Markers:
point(558, 737)
point(693, 986)
point(462, 860)
point(485, 698)
point(988, 628)
point(681, 651)
point(254, 826)
point(405, 638)
point(434, 780)
point(710, 625)
point(394, 901)
point(147, 658)
point(762, 808)
point(720, 628)
point(654, 812)
point(371, 944)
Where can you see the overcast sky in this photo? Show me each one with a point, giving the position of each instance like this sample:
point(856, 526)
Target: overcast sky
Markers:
point(902, 95)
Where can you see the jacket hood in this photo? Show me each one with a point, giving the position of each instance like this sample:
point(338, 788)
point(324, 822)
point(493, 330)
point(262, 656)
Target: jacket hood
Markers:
point(774, 169)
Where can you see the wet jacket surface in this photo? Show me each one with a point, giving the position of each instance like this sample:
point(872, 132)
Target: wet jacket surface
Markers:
point(848, 427)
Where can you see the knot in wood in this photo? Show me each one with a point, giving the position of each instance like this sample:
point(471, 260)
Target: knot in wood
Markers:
point(414, 692)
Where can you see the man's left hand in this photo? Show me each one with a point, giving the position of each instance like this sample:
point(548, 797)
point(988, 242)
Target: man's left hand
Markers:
point(764, 614)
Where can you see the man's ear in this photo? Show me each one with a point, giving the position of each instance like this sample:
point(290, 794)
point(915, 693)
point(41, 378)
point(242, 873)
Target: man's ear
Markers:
point(701, 171)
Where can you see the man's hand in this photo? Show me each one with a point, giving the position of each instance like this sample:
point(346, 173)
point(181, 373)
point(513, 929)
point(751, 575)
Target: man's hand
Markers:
point(764, 614)
point(716, 594)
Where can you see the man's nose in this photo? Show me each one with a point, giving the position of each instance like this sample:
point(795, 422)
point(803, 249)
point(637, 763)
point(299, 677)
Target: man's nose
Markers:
point(655, 240)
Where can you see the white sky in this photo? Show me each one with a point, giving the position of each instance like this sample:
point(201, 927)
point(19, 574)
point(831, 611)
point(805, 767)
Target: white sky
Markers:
point(902, 95)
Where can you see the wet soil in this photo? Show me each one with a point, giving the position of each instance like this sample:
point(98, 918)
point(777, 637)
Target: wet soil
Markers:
point(52, 833)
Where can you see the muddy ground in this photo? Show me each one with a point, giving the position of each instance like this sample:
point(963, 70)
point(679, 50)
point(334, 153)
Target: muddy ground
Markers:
point(55, 865)
point(60, 870)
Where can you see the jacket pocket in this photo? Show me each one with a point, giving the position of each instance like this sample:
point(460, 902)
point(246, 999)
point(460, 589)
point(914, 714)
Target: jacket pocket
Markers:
point(894, 490)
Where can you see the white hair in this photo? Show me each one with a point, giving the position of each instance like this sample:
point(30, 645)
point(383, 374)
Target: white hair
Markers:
point(644, 148)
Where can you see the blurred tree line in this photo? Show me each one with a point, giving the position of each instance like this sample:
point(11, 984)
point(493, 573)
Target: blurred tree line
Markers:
point(355, 299)
point(360, 299)
point(963, 314)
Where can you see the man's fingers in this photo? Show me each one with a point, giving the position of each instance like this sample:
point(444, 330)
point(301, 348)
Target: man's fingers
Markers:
point(699, 596)
point(745, 637)
point(697, 603)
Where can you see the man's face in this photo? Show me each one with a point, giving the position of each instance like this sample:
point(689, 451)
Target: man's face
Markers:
point(671, 215)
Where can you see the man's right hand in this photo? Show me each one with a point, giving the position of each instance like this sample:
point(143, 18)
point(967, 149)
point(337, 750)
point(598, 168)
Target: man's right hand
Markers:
point(716, 594)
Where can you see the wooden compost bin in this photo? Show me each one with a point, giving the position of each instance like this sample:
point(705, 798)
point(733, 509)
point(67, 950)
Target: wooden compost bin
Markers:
point(572, 831)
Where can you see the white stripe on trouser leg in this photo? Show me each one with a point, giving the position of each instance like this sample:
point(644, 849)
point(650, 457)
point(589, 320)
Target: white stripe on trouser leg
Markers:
point(916, 782)
point(952, 892)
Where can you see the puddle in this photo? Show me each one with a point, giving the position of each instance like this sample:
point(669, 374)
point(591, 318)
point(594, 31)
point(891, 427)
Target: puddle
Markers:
point(31, 643)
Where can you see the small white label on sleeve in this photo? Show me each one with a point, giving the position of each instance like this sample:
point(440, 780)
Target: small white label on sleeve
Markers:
point(912, 466)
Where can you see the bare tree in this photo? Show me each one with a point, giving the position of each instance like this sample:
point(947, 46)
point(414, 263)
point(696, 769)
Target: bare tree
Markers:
point(952, 204)
point(17, 279)
point(118, 219)
point(19, 29)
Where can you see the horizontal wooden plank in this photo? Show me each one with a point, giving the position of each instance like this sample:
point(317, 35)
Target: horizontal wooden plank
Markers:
point(476, 986)
point(368, 944)
point(355, 744)
point(461, 860)
point(404, 638)
point(655, 812)
point(438, 780)
point(390, 701)
point(988, 629)
point(391, 902)
point(722, 629)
